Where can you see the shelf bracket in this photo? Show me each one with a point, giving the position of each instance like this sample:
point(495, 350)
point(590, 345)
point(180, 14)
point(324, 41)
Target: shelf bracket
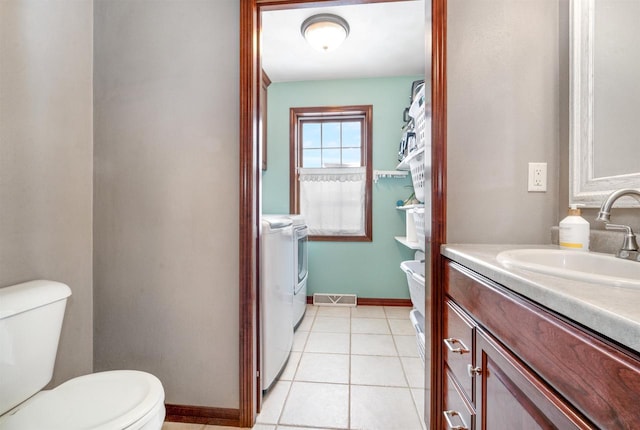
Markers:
point(378, 174)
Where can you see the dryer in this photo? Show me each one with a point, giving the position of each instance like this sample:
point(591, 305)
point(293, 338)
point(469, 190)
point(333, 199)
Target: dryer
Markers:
point(276, 296)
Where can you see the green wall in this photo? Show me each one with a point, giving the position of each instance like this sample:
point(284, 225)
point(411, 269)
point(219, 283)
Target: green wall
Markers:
point(368, 269)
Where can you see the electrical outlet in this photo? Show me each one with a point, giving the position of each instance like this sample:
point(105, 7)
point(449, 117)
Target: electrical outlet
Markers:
point(537, 177)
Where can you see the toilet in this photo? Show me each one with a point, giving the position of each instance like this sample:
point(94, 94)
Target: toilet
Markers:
point(31, 316)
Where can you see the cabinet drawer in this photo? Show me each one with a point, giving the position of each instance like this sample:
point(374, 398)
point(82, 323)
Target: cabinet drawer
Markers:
point(458, 414)
point(459, 345)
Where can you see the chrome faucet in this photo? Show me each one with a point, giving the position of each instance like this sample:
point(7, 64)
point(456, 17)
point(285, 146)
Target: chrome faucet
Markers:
point(629, 249)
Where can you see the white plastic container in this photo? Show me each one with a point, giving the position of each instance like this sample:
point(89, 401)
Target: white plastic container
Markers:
point(417, 320)
point(419, 222)
point(417, 168)
point(574, 231)
point(417, 111)
point(414, 270)
point(410, 226)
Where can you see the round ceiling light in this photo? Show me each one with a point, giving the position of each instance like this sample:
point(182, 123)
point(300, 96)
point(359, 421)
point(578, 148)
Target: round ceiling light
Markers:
point(325, 32)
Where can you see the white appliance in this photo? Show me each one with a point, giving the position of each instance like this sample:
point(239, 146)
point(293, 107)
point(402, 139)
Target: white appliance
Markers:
point(31, 316)
point(301, 266)
point(276, 296)
point(300, 270)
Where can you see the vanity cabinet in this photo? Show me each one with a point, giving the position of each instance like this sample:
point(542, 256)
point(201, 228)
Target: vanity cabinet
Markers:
point(508, 363)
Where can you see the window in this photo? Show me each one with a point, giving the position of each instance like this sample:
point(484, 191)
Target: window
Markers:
point(330, 171)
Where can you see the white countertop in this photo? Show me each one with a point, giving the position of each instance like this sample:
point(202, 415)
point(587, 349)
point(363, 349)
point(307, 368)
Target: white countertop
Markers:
point(614, 312)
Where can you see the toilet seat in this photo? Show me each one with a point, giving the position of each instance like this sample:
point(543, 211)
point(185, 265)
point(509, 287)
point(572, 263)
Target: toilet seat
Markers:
point(121, 399)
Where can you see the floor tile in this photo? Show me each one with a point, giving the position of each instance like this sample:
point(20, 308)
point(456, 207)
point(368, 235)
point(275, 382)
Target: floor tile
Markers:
point(312, 404)
point(414, 369)
point(273, 403)
point(372, 344)
point(397, 312)
point(307, 322)
point(332, 368)
point(407, 345)
point(181, 426)
point(331, 325)
point(370, 326)
point(291, 366)
point(401, 326)
point(377, 370)
point(299, 340)
point(212, 427)
point(300, 428)
point(262, 427)
point(311, 310)
point(383, 408)
point(334, 311)
point(336, 343)
point(350, 368)
point(418, 400)
point(368, 312)
point(187, 426)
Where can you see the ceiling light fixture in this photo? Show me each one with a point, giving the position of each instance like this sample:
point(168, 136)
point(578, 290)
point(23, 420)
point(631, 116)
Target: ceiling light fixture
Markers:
point(324, 31)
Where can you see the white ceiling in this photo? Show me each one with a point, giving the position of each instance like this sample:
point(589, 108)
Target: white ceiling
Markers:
point(385, 39)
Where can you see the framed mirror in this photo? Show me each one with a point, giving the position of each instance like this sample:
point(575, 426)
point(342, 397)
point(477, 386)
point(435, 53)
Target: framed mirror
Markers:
point(605, 100)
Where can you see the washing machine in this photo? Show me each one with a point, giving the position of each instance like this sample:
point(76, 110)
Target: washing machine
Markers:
point(300, 270)
point(276, 296)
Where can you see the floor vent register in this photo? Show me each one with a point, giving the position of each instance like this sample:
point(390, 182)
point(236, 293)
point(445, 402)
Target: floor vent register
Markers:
point(335, 299)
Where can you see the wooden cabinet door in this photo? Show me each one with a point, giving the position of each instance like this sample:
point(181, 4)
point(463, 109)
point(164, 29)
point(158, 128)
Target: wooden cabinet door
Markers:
point(510, 396)
point(262, 126)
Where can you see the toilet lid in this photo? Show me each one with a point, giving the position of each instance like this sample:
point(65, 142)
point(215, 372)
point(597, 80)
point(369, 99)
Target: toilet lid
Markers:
point(105, 400)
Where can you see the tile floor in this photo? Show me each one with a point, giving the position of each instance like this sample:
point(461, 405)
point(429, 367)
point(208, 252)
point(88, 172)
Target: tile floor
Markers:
point(350, 368)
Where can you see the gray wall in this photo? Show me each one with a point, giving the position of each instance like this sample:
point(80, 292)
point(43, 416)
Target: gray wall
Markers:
point(503, 112)
point(46, 159)
point(166, 192)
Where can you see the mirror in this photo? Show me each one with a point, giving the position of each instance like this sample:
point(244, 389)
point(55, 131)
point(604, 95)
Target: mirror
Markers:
point(605, 100)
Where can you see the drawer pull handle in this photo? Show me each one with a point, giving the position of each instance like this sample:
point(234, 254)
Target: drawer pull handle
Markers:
point(450, 344)
point(448, 415)
point(473, 371)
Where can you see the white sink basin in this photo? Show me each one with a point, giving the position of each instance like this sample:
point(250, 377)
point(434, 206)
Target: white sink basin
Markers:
point(582, 266)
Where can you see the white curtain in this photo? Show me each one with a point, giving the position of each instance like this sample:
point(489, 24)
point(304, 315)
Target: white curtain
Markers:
point(332, 200)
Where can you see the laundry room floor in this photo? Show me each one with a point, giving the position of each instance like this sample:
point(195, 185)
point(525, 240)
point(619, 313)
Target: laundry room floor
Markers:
point(350, 368)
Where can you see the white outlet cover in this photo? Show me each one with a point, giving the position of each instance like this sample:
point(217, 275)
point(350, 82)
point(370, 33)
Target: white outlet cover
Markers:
point(537, 177)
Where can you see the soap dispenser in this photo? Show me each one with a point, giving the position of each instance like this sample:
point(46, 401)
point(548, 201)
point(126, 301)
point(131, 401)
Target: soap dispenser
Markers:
point(574, 230)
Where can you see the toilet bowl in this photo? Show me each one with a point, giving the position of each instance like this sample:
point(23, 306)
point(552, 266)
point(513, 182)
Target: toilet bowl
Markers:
point(120, 399)
point(30, 322)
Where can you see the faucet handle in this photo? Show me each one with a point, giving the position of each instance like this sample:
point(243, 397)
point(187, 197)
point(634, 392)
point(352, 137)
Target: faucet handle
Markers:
point(630, 243)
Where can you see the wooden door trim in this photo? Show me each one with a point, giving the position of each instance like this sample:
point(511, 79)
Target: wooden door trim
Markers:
point(248, 214)
point(438, 203)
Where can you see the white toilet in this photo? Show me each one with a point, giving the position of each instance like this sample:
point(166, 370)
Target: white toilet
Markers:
point(30, 321)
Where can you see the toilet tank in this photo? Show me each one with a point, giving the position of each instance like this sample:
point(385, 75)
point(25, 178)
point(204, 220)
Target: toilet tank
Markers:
point(31, 316)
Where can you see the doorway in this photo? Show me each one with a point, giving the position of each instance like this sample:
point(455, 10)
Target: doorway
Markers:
point(250, 178)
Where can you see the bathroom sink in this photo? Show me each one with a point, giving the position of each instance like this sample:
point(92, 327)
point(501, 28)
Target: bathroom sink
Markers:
point(582, 266)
